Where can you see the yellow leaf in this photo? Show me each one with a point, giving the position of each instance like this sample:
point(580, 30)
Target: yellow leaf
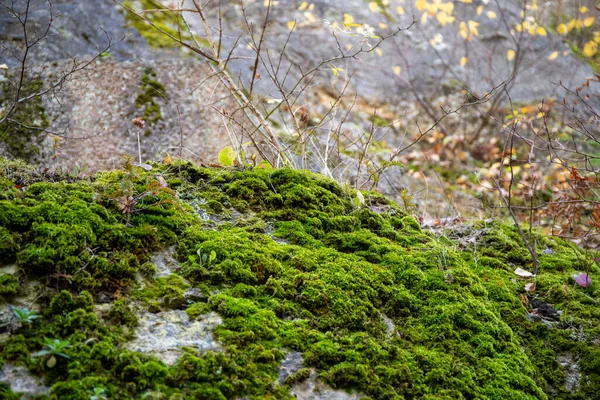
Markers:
point(378, 52)
point(444, 19)
point(562, 29)
point(463, 61)
point(167, 159)
point(382, 25)
point(397, 69)
point(303, 6)
point(462, 30)
point(291, 25)
point(473, 28)
point(479, 10)
point(373, 6)
point(583, 9)
point(466, 1)
point(590, 49)
point(348, 19)
point(541, 31)
point(491, 15)
point(309, 16)
point(519, 28)
point(510, 54)
point(553, 56)
point(448, 8)
point(589, 21)
point(400, 10)
point(421, 4)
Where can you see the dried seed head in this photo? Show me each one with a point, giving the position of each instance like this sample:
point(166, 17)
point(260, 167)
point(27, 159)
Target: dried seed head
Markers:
point(140, 123)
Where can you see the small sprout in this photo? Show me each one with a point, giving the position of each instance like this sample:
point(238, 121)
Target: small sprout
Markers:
point(53, 348)
point(98, 394)
point(206, 259)
point(24, 315)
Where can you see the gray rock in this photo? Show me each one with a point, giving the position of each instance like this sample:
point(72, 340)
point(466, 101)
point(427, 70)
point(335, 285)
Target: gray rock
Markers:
point(390, 327)
point(195, 295)
point(21, 381)
point(314, 389)
point(165, 263)
point(573, 375)
point(165, 333)
point(291, 363)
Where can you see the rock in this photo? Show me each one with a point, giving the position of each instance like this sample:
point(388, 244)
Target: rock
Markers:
point(573, 375)
point(165, 333)
point(314, 389)
point(20, 380)
point(390, 327)
point(165, 263)
point(195, 295)
point(291, 363)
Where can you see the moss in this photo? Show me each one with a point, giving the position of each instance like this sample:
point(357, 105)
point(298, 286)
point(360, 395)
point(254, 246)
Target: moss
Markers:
point(9, 285)
point(146, 100)
point(305, 270)
point(169, 23)
point(22, 138)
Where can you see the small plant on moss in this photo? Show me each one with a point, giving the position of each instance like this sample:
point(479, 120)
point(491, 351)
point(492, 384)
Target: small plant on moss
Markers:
point(24, 315)
point(53, 348)
point(98, 394)
point(206, 259)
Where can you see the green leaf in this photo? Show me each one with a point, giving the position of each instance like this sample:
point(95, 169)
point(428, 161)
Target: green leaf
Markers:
point(213, 256)
point(227, 156)
point(264, 164)
point(51, 362)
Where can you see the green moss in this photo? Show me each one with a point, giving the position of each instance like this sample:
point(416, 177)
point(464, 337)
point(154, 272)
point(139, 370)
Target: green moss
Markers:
point(21, 138)
point(9, 285)
point(304, 269)
point(165, 21)
point(151, 91)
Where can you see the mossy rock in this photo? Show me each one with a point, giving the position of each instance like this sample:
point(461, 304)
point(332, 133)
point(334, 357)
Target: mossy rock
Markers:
point(462, 325)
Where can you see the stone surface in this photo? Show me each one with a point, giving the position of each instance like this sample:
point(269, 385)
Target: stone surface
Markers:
point(195, 295)
point(165, 263)
point(21, 381)
point(390, 327)
point(573, 375)
point(165, 333)
point(291, 363)
point(314, 389)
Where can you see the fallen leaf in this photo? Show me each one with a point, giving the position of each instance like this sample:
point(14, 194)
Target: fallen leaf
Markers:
point(583, 280)
point(146, 167)
point(167, 159)
point(530, 287)
point(161, 181)
point(522, 273)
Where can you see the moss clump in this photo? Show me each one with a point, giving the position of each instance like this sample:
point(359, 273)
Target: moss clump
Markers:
point(303, 269)
point(151, 91)
point(22, 136)
point(9, 285)
point(167, 22)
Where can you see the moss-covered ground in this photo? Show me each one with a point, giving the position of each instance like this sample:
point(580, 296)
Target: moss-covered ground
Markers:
point(463, 322)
